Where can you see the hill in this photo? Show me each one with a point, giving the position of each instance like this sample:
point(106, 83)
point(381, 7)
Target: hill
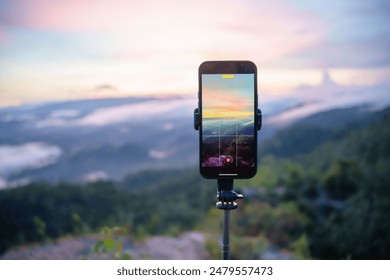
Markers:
point(326, 202)
point(306, 134)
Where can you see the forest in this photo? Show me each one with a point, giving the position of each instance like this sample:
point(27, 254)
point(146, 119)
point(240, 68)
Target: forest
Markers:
point(320, 193)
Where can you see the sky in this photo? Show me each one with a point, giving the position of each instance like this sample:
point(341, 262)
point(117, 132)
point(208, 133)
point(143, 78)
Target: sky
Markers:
point(72, 49)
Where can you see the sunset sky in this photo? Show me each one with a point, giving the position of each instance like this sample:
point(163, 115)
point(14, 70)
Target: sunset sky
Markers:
point(73, 49)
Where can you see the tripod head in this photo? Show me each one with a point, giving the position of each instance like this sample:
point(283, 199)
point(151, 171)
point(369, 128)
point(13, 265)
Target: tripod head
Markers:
point(226, 196)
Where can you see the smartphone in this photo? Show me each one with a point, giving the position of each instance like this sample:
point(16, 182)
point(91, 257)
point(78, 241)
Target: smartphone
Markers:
point(227, 108)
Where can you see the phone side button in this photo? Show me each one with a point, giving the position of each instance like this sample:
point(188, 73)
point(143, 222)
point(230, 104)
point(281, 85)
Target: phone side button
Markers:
point(196, 119)
point(259, 119)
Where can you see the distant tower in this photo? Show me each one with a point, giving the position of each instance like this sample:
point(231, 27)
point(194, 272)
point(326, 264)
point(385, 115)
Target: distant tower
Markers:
point(326, 80)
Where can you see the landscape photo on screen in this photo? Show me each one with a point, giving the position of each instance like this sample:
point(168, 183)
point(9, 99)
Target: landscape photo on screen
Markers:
point(228, 120)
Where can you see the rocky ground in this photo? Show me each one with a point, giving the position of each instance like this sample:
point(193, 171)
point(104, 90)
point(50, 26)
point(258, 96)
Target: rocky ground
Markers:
point(189, 245)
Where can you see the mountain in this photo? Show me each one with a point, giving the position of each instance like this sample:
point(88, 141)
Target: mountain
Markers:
point(355, 116)
point(314, 189)
point(305, 134)
point(87, 140)
point(326, 206)
point(107, 139)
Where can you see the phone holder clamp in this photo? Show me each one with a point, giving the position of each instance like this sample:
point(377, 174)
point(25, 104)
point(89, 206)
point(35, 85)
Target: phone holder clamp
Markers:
point(196, 119)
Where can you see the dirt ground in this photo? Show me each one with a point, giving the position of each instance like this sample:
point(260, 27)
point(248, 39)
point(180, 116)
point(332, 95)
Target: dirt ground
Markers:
point(189, 245)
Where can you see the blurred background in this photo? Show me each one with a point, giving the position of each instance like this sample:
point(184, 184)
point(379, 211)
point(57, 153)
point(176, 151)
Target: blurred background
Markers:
point(98, 155)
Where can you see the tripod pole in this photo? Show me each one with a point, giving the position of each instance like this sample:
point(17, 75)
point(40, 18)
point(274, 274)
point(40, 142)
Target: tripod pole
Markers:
point(225, 242)
point(226, 201)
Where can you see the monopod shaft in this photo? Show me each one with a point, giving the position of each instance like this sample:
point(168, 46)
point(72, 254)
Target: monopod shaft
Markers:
point(226, 201)
point(225, 242)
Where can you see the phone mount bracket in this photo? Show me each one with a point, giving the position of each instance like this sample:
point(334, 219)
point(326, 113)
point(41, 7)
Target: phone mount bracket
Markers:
point(226, 196)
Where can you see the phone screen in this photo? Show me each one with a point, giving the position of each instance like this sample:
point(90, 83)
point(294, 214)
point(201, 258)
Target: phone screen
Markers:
point(228, 133)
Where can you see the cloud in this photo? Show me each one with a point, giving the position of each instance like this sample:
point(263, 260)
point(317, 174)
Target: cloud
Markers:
point(51, 122)
point(105, 91)
point(158, 154)
point(330, 95)
point(3, 183)
point(106, 87)
point(133, 112)
point(362, 53)
point(358, 34)
point(95, 176)
point(168, 126)
point(65, 113)
point(61, 117)
point(32, 155)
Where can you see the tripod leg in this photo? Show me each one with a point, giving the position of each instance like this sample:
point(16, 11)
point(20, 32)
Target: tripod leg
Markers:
point(225, 242)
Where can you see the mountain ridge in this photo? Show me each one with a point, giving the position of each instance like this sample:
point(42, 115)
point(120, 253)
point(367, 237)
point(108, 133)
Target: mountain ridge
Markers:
point(99, 144)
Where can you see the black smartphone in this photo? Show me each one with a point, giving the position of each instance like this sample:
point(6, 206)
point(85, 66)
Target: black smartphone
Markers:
point(227, 108)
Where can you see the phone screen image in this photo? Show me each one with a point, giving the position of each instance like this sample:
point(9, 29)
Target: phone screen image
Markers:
point(228, 123)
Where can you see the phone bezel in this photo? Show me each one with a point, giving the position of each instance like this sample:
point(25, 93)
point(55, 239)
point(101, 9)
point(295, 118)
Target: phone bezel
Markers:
point(227, 67)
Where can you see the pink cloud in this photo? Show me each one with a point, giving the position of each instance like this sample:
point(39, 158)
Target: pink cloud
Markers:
point(2, 35)
point(220, 28)
point(155, 46)
point(64, 15)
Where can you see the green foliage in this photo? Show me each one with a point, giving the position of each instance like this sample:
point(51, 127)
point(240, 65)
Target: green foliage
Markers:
point(301, 248)
point(267, 174)
point(40, 228)
point(293, 180)
point(39, 211)
point(247, 247)
point(342, 179)
point(281, 224)
point(361, 230)
point(213, 248)
point(111, 242)
point(352, 221)
point(76, 222)
point(252, 225)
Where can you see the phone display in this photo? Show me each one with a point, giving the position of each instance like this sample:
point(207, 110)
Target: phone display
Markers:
point(228, 135)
